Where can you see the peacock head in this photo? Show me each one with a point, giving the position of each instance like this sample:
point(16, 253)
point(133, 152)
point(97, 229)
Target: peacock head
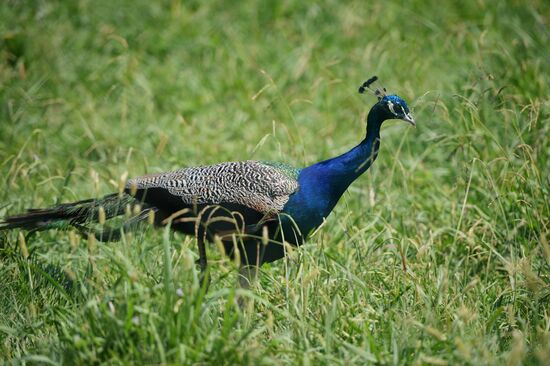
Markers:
point(391, 106)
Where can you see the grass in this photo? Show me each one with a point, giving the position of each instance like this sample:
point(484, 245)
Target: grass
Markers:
point(439, 254)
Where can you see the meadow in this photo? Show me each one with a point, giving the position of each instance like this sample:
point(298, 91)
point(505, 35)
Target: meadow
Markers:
point(439, 254)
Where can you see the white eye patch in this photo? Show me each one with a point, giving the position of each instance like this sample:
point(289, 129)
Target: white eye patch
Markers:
point(390, 106)
point(396, 110)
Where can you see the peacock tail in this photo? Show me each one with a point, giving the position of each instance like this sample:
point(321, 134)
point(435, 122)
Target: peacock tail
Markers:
point(66, 215)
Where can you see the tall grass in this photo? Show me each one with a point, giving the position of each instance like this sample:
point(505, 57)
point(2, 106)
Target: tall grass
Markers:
point(440, 254)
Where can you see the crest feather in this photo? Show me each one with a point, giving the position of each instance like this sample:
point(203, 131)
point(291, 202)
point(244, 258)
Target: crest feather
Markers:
point(379, 93)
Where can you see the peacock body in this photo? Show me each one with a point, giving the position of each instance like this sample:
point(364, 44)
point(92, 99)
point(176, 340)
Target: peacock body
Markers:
point(251, 206)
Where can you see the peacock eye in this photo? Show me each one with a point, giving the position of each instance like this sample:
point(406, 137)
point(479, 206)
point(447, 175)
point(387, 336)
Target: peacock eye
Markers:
point(398, 109)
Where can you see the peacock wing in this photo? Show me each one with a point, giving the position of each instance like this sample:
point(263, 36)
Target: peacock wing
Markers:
point(261, 186)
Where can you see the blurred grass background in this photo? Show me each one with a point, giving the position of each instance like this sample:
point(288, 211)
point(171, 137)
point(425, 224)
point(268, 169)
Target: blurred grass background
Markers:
point(438, 255)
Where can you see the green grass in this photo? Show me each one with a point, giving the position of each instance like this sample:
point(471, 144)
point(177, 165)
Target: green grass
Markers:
point(439, 254)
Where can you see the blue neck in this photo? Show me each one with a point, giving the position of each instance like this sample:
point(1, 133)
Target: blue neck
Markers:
point(322, 184)
point(336, 174)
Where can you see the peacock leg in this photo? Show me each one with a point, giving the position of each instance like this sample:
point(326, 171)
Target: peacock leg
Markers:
point(203, 262)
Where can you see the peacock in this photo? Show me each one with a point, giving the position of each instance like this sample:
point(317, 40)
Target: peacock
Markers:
point(253, 208)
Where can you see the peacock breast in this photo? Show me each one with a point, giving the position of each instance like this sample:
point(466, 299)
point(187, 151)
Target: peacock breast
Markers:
point(313, 201)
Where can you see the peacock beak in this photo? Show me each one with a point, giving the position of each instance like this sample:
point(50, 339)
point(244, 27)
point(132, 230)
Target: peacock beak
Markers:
point(409, 118)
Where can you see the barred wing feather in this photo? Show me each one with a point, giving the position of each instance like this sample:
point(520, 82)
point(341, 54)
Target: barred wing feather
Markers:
point(254, 184)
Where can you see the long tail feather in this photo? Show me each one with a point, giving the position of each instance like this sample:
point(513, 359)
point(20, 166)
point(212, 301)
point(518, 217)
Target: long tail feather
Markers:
point(66, 214)
point(111, 234)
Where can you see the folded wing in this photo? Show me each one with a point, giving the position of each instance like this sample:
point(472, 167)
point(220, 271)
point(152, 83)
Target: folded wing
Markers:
point(260, 186)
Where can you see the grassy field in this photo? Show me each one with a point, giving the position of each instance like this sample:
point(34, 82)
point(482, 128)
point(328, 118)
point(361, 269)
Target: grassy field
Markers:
point(439, 254)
